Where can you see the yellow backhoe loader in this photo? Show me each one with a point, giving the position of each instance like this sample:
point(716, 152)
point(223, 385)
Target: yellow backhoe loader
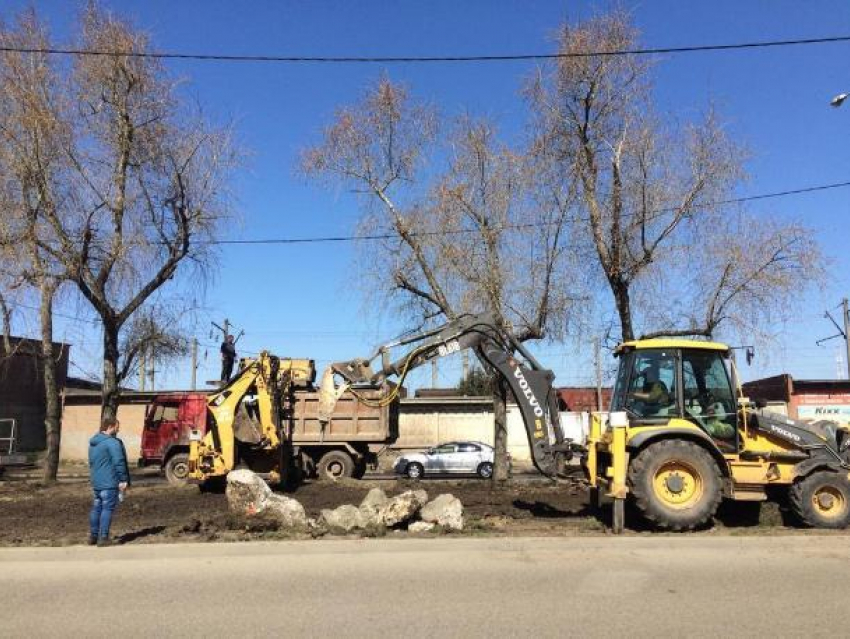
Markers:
point(681, 436)
point(678, 438)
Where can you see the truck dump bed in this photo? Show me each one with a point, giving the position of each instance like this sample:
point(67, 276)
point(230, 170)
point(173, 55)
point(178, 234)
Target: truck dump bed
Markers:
point(352, 420)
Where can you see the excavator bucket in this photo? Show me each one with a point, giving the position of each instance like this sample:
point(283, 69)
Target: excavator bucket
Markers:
point(329, 393)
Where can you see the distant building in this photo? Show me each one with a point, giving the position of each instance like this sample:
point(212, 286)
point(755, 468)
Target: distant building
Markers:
point(584, 398)
point(804, 399)
point(22, 390)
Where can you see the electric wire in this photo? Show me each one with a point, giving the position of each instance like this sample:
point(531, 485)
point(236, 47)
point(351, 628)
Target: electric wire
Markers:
point(391, 236)
point(220, 57)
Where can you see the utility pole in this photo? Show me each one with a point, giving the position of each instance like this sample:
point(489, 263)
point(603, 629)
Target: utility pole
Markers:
point(142, 370)
point(464, 362)
point(194, 363)
point(846, 310)
point(433, 373)
point(843, 330)
point(153, 369)
point(597, 355)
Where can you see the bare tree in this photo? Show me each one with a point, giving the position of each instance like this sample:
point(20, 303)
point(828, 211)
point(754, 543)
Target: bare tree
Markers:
point(29, 170)
point(640, 177)
point(466, 238)
point(132, 183)
point(743, 275)
point(155, 332)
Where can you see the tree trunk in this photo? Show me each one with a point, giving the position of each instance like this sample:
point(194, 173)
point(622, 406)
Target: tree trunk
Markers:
point(500, 436)
point(624, 308)
point(52, 401)
point(109, 393)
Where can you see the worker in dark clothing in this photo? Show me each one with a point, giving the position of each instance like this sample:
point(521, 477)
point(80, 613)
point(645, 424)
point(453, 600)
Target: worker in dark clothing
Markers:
point(110, 478)
point(228, 356)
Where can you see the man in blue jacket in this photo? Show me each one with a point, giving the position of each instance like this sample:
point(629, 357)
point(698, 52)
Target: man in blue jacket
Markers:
point(110, 477)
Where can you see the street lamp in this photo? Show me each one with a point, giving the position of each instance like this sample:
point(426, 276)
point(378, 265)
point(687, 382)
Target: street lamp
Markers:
point(838, 100)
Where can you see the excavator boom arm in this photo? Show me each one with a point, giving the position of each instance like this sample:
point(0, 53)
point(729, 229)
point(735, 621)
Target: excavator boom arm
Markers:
point(531, 384)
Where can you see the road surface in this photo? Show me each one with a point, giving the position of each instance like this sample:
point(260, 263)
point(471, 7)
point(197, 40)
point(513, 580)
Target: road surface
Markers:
point(582, 586)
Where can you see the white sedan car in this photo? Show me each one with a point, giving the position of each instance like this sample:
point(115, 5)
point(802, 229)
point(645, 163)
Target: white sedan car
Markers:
point(450, 458)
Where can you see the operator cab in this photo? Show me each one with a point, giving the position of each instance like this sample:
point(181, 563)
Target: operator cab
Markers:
point(662, 379)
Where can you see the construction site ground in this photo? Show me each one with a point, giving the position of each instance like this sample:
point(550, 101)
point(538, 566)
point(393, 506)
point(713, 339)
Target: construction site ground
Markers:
point(35, 514)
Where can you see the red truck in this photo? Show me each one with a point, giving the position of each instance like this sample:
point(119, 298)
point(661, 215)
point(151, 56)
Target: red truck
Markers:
point(344, 447)
point(165, 438)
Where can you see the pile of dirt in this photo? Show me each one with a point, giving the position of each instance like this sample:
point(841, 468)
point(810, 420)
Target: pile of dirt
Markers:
point(37, 514)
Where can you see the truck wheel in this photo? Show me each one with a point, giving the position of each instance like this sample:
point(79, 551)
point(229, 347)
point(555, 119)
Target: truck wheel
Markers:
point(675, 484)
point(822, 500)
point(335, 464)
point(177, 469)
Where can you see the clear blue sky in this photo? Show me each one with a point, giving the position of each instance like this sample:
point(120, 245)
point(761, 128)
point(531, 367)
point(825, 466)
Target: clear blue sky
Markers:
point(304, 300)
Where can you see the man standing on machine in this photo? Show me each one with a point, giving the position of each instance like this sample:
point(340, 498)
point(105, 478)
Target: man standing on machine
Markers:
point(228, 356)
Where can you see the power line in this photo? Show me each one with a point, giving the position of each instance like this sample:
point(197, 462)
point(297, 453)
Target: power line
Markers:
point(391, 236)
point(55, 313)
point(216, 57)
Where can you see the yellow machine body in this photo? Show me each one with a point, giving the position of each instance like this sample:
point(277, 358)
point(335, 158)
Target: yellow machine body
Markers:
point(748, 462)
point(269, 381)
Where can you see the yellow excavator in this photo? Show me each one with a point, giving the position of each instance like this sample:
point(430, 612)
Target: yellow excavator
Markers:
point(247, 421)
point(678, 438)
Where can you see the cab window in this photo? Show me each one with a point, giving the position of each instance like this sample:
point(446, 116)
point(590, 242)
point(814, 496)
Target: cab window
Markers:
point(163, 413)
point(709, 400)
point(621, 387)
point(652, 386)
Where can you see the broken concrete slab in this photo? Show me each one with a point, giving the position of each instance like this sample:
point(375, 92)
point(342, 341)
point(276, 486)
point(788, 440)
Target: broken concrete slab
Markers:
point(346, 517)
point(401, 508)
point(248, 494)
point(371, 504)
point(445, 510)
point(245, 491)
point(289, 511)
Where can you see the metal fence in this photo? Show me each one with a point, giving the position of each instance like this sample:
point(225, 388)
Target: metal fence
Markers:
point(7, 436)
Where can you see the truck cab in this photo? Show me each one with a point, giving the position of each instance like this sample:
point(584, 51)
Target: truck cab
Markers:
point(169, 420)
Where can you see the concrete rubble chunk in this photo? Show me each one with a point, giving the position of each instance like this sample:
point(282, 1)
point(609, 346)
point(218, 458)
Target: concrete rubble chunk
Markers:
point(420, 526)
point(345, 517)
point(371, 504)
point(248, 494)
point(401, 508)
point(445, 510)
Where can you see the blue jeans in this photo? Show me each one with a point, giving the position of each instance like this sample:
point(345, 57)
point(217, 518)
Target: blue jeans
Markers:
point(100, 517)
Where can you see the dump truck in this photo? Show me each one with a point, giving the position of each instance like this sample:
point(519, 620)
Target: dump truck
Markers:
point(343, 446)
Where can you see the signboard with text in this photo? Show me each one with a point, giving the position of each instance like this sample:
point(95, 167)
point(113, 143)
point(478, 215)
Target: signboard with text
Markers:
point(839, 413)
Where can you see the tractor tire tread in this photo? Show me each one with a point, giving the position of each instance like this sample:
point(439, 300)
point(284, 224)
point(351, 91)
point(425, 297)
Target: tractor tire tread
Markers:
point(800, 501)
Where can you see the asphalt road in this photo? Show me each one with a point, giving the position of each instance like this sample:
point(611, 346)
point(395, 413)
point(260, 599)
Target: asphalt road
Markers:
point(591, 586)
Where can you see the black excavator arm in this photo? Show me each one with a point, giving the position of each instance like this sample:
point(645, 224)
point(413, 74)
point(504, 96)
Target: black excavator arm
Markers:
point(531, 384)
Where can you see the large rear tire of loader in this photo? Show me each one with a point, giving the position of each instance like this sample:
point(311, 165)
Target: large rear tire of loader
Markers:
point(335, 464)
point(675, 484)
point(821, 500)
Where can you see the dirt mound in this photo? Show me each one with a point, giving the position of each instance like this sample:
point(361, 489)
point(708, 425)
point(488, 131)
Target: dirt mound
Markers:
point(35, 514)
